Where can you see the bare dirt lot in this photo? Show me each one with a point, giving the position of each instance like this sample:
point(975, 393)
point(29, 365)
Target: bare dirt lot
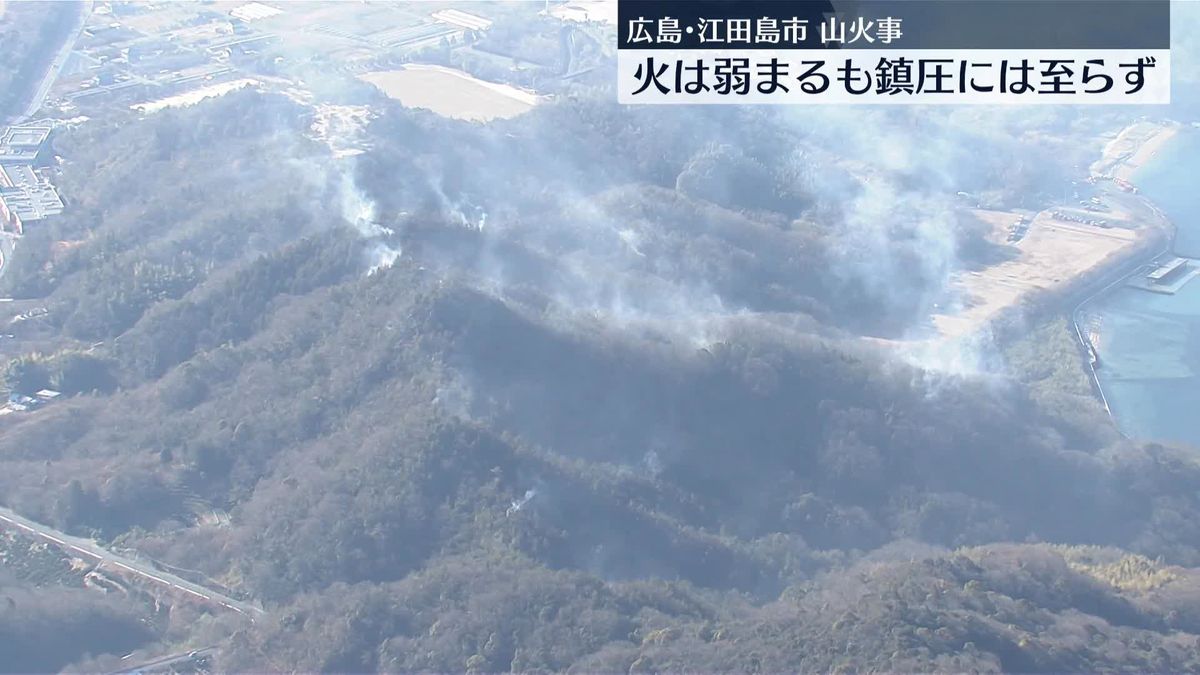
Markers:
point(452, 93)
point(1053, 252)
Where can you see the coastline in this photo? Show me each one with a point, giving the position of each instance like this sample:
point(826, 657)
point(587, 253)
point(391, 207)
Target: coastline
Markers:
point(1132, 148)
point(1050, 287)
point(1122, 162)
point(1066, 261)
point(1146, 152)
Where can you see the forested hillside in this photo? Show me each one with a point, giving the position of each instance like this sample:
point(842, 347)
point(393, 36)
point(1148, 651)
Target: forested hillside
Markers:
point(46, 629)
point(30, 36)
point(582, 389)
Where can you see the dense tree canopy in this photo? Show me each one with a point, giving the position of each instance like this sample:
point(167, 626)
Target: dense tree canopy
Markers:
point(30, 36)
point(495, 397)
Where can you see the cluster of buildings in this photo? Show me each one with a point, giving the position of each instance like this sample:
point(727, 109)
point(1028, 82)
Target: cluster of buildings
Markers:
point(131, 53)
point(21, 403)
point(25, 191)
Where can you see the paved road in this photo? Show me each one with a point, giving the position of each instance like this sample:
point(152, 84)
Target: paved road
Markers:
point(60, 59)
point(124, 564)
point(181, 657)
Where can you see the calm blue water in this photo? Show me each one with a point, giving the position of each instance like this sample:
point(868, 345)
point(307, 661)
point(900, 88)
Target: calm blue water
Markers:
point(1150, 343)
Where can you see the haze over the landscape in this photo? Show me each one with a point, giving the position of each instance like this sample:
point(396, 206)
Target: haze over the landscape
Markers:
point(361, 337)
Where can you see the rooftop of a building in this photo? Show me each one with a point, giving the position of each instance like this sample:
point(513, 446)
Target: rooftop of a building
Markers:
point(21, 143)
point(462, 19)
point(18, 175)
point(254, 11)
point(1167, 269)
point(21, 154)
point(25, 135)
point(35, 203)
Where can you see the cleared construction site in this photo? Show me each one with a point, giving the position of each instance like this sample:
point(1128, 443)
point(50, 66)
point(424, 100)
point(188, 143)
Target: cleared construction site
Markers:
point(1052, 253)
point(452, 93)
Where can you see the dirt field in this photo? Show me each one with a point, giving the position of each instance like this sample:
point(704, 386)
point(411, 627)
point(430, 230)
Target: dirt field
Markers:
point(452, 93)
point(1053, 252)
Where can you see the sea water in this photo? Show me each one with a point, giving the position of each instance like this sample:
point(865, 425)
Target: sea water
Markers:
point(1149, 343)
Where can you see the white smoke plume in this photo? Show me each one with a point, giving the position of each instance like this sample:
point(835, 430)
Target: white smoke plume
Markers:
point(518, 504)
point(362, 212)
